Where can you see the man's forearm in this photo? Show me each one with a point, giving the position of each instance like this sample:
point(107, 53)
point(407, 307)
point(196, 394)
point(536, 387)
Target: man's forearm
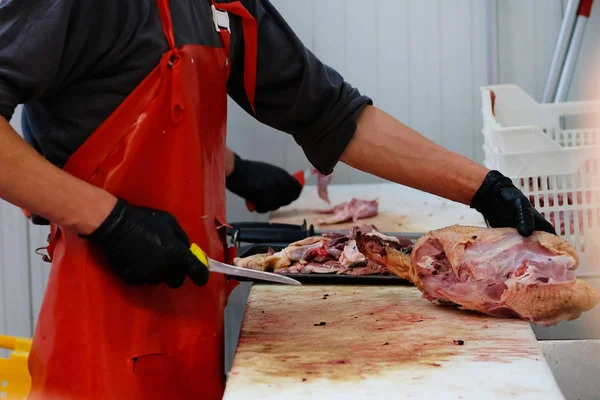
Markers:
point(385, 147)
point(29, 181)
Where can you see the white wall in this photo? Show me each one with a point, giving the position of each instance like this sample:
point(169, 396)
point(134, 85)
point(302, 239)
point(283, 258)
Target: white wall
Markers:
point(423, 61)
point(528, 33)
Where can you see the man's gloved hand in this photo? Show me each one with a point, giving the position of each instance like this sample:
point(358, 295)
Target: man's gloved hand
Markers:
point(266, 186)
point(503, 205)
point(146, 246)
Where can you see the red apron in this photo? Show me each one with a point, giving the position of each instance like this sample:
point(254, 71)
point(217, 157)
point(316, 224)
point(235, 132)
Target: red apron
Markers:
point(99, 338)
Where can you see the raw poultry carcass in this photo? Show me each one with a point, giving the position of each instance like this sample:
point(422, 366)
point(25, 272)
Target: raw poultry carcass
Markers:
point(497, 272)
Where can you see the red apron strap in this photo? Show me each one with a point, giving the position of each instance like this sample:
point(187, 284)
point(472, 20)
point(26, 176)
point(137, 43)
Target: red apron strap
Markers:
point(164, 10)
point(177, 108)
point(250, 32)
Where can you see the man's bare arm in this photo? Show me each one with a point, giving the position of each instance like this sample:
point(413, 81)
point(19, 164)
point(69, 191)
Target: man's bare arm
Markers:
point(386, 148)
point(29, 181)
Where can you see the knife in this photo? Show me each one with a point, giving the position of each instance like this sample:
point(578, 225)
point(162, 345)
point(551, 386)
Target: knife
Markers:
point(301, 176)
point(222, 268)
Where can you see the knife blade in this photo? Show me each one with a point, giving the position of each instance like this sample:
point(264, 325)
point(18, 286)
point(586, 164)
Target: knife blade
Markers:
point(222, 268)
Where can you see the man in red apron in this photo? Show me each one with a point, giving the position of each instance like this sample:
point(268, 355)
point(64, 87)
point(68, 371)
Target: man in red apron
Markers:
point(129, 313)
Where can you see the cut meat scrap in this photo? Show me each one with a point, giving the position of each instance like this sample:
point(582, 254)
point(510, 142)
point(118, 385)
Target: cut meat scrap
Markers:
point(383, 237)
point(351, 257)
point(364, 258)
point(277, 261)
point(323, 182)
point(294, 268)
point(372, 231)
point(363, 208)
point(309, 249)
point(395, 260)
point(404, 244)
point(375, 246)
point(256, 261)
point(336, 245)
point(368, 268)
point(352, 210)
point(321, 253)
point(354, 206)
point(372, 247)
point(318, 268)
point(300, 267)
point(361, 229)
point(344, 253)
point(372, 268)
point(296, 252)
point(499, 273)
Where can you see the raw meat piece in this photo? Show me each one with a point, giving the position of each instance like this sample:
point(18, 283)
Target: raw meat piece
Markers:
point(336, 245)
point(309, 249)
point(351, 257)
point(295, 268)
point(374, 247)
point(285, 257)
point(384, 237)
point(255, 261)
point(498, 272)
point(352, 210)
point(362, 229)
point(329, 267)
point(334, 252)
point(296, 253)
point(371, 268)
point(317, 253)
point(314, 268)
point(323, 182)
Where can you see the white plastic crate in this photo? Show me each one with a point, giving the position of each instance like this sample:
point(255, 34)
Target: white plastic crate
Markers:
point(552, 153)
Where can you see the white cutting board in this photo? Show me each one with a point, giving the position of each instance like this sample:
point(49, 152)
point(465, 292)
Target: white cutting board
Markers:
point(401, 209)
point(380, 343)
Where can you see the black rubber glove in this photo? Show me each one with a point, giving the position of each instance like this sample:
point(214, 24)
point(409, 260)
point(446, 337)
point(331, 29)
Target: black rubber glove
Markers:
point(266, 186)
point(146, 246)
point(503, 205)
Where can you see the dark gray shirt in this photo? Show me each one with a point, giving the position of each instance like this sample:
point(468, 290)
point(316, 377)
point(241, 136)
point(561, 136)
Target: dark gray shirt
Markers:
point(72, 62)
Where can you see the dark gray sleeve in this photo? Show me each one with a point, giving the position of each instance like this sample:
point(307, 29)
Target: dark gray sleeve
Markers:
point(32, 37)
point(295, 92)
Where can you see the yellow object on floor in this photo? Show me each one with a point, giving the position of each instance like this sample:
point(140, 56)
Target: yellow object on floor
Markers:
point(15, 381)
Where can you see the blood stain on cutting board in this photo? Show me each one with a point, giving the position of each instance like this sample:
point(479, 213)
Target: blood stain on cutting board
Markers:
point(366, 331)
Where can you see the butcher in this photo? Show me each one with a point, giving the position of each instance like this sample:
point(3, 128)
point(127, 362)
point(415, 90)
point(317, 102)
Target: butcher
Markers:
point(124, 118)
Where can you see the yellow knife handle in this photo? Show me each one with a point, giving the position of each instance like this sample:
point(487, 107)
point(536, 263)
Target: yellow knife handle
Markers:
point(197, 251)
